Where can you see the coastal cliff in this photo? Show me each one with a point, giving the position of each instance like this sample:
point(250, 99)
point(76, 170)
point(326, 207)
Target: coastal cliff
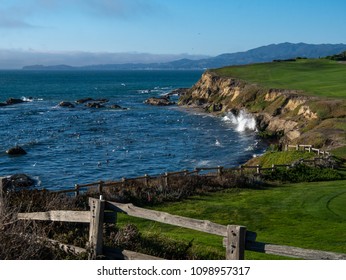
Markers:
point(290, 116)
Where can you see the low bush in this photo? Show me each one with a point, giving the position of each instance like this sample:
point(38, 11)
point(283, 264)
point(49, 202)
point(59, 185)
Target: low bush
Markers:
point(302, 173)
point(178, 188)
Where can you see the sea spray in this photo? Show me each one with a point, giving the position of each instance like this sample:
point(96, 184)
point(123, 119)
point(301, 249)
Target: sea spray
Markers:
point(242, 121)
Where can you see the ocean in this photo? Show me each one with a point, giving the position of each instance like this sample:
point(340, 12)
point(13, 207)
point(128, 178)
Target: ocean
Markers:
point(67, 146)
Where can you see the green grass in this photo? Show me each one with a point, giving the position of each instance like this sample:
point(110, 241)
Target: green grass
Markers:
point(319, 77)
point(306, 215)
point(285, 157)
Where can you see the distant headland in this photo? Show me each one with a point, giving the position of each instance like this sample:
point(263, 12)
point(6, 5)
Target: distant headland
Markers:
point(267, 53)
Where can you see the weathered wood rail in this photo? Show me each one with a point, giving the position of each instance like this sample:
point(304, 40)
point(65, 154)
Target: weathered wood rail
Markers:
point(308, 148)
point(236, 239)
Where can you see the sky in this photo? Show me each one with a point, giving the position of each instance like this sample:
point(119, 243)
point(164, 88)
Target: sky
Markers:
point(194, 27)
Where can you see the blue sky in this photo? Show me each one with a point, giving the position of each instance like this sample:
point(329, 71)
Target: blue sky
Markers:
point(208, 27)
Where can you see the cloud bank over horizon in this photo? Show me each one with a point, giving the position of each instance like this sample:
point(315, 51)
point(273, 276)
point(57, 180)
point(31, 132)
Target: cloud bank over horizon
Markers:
point(161, 27)
point(16, 59)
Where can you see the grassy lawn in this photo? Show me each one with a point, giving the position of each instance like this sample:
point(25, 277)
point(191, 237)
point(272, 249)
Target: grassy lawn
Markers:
point(283, 157)
point(306, 215)
point(319, 77)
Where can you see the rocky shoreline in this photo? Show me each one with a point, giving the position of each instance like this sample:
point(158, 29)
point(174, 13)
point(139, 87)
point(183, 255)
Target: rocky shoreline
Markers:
point(288, 116)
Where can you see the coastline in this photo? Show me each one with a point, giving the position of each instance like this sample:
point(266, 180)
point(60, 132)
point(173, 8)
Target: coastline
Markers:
point(282, 115)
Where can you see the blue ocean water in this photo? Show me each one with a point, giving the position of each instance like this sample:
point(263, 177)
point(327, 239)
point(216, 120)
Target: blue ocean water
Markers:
point(66, 146)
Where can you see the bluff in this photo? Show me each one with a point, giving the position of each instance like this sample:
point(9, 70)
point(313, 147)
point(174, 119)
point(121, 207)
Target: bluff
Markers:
point(289, 116)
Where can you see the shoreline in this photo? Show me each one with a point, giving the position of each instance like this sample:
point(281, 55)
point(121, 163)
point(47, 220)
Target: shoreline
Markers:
point(284, 116)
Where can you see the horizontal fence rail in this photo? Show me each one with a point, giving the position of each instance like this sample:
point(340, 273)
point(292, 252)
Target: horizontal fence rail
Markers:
point(236, 238)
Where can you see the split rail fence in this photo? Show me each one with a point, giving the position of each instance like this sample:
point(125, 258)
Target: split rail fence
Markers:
point(219, 171)
point(236, 239)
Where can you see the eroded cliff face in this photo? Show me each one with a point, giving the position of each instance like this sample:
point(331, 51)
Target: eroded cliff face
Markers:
point(289, 115)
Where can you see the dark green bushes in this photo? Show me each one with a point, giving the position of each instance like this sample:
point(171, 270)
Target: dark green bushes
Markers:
point(302, 173)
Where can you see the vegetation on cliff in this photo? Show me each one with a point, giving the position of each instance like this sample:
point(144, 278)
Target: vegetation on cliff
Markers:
point(300, 101)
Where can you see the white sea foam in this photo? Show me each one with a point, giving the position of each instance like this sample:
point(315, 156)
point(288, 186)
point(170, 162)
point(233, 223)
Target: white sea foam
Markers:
point(217, 143)
point(30, 99)
point(243, 121)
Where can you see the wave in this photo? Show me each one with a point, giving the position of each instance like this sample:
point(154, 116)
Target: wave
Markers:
point(31, 99)
point(243, 121)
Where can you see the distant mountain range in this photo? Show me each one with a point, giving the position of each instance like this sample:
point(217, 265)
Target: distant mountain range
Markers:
point(261, 54)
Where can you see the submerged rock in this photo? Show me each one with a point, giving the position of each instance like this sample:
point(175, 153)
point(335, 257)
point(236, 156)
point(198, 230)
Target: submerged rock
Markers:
point(159, 101)
point(16, 151)
point(12, 101)
point(84, 100)
point(66, 104)
point(96, 105)
point(117, 107)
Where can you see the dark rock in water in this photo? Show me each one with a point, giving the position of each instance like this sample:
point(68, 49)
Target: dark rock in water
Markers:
point(102, 100)
point(12, 101)
point(66, 104)
point(16, 151)
point(84, 100)
point(18, 181)
point(2, 104)
point(115, 106)
point(96, 105)
point(159, 101)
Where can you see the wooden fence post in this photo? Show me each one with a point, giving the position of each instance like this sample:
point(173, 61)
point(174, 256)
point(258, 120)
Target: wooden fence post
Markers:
point(76, 187)
point(146, 180)
point(100, 187)
point(166, 180)
point(97, 207)
point(241, 170)
point(2, 183)
point(219, 171)
point(235, 242)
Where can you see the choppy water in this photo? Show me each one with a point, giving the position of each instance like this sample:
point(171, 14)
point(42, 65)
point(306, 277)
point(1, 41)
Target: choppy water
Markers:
point(80, 145)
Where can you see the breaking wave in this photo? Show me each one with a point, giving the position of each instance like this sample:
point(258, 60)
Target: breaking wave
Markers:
point(243, 121)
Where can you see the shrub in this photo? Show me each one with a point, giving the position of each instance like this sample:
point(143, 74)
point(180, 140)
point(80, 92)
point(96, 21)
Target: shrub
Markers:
point(303, 173)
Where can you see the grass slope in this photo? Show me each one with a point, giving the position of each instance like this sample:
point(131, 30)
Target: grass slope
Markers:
point(306, 215)
point(319, 77)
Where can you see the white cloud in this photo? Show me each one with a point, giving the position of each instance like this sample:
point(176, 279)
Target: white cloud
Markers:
point(18, 14)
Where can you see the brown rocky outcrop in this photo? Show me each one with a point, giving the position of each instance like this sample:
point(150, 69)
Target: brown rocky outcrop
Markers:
point(290, 114)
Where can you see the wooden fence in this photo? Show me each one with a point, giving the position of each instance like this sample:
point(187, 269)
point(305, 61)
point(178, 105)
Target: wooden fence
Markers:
point(308, 148)
point(236, 239)
point(218, 171)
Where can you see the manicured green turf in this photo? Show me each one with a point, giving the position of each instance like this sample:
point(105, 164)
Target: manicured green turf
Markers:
point(284, 157)
point(319, 77)
point(306, 215)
